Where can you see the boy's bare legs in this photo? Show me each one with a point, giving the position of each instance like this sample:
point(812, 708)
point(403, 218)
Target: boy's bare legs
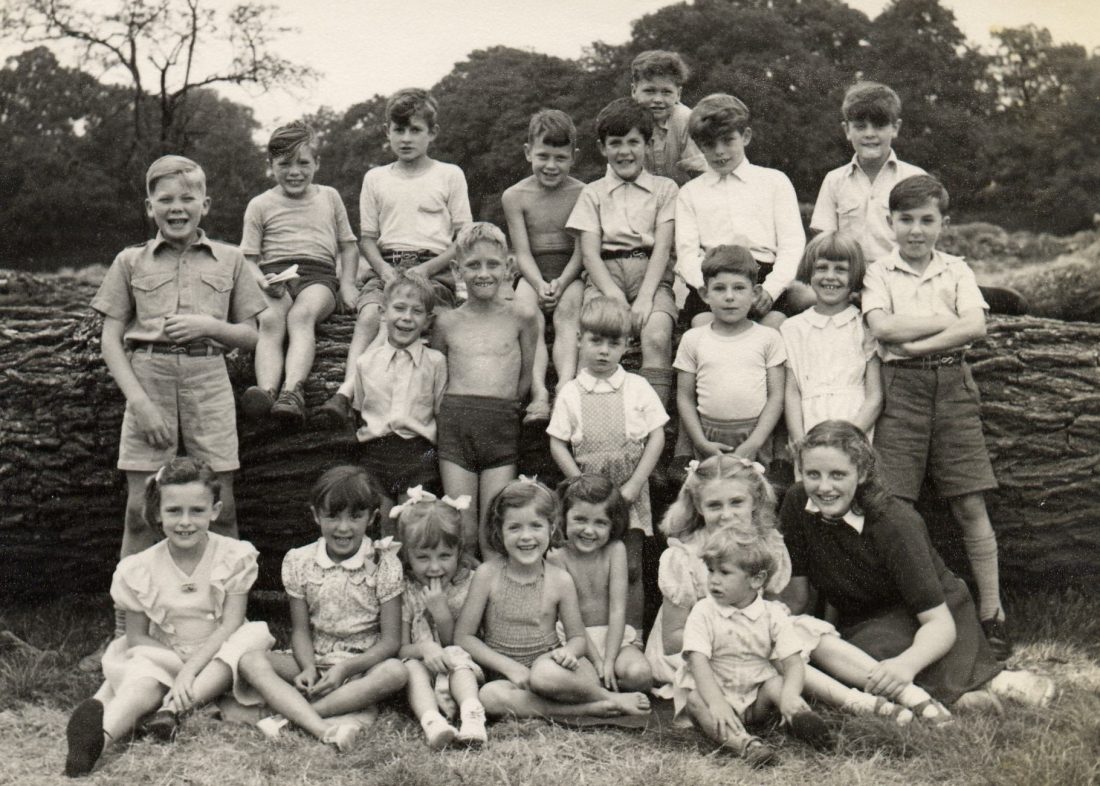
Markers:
point(313, 305)
point(737, 739)
point(981, 549)
point(490, 482)
point(137, 535)
point(226, 522)
point(656, 340)
point(269, 345)
point(566, 327)
point(539, 407)
point(634, 540)
point(337, 410)
point(456, 482)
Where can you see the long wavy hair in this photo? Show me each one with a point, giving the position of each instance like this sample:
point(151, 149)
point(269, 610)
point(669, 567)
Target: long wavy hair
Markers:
point(683, 515)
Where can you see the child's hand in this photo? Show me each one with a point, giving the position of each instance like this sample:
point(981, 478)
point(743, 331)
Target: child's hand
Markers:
point(640, 311)
point(762, 302)
point(348, 297)
point(889, 678)
point(549, 293)
point(726, 722)
point(746, 449)
point(151, 423)
point(564, 658)
point(332, 680)
point(182, 695)
point(184, 328)
point(433, 657)
point(435, 597)
point(630, 491)
point(276, 290)
point(789, 706)
point(306, 680)
point(608, 675)
point(714, 448)
point(388, 273)
point(518, 675)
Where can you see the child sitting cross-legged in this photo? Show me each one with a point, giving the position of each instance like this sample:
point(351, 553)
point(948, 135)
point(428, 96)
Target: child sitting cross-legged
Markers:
point(441, 675)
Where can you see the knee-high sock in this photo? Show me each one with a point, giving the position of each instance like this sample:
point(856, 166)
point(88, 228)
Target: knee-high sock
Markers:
point(982, 552)
point(660, 379)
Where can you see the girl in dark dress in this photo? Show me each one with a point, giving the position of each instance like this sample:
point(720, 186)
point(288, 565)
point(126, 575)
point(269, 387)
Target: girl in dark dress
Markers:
point(869, 556)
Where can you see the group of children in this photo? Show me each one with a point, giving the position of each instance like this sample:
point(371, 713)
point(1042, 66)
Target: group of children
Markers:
point(448, 357)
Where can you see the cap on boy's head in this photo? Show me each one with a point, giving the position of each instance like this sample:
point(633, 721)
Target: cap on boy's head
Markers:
point(729, 259)
point(479, 232)
point(289, 139)
point(659, 64)
point(717, 116)
point(411, 102)
point(606, 317)
point(175, 166)
point(552, 127)
point(838, 246)
point(620, 117)
point(414, 283)
point(871, 102)
point(748, 552)
point(916, 191)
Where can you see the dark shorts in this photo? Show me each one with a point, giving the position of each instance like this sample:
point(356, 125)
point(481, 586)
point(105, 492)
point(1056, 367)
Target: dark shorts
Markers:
point(478, 432)
point(443, 284)
point(310, 272)
point(931, 423)
point(695, 305)
point(399, 464)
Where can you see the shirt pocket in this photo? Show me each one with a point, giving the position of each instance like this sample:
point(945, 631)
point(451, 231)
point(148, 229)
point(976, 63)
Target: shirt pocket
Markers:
point(212, 293)
point(154, 295)
point(433, 221)
point(850, 214)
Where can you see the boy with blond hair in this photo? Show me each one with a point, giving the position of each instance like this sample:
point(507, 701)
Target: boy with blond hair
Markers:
point(656, 80)
point(408, 213)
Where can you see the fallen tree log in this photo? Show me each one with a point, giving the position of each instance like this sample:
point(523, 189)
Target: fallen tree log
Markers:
point(60, 415)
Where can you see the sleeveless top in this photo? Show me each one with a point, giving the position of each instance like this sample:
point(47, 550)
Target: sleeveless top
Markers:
point(511, 623)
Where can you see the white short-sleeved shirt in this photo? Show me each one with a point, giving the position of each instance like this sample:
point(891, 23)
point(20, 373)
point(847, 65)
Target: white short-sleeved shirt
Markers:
point(344, 598)
point(277, 227)
point(828, 356)
point(625, 213)
point(947, 286)
point(408, 213)
point(752, 206)
point(850, 202)
point(643, 414)
point(730, 371)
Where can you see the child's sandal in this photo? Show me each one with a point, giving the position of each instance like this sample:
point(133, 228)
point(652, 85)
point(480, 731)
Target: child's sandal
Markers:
point(342, 736)
point(940, 715)
point(758, 753)
point(163, 726)
point(888, 709)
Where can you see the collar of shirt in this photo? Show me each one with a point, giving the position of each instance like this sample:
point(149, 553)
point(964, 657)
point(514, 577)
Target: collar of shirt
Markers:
point(644, 180)
point(354, 562)
point(819, 320)
point(743, 172)
point(936, 265)
point(415, 350)
point(594, 384)
point(200, 240)
point(891, 160)
point(851, 518)
point(752, 611)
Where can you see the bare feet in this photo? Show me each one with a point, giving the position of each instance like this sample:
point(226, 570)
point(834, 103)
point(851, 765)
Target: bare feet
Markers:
point(631, 703)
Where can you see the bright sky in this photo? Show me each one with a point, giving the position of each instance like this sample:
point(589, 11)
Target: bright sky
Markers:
point(363, 47)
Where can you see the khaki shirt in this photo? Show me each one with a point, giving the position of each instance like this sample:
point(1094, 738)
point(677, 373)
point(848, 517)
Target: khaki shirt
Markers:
point(626, 214)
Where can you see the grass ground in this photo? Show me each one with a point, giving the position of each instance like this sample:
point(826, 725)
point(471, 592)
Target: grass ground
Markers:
point(1059, 636)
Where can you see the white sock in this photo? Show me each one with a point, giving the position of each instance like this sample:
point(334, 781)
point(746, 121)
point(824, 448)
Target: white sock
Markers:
point(912, 695)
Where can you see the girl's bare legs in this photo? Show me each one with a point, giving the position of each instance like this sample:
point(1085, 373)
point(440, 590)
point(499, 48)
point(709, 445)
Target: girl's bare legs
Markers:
point(632, 670)
point(133, 700)
point(272, 674)
point(379, 682)
point(215, 679)
point(852, 666)
point(502, 698)
point(437, 730)
point(581, 685)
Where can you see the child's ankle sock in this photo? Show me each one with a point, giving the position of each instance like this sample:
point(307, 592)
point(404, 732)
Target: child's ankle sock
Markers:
point(472, 729)
point(858, 702)
point(912, 695)
point(982, 553)
point(439, 733)
point(660, 379)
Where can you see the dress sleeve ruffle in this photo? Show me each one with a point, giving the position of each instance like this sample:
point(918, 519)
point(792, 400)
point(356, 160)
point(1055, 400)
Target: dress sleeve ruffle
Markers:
point(133, 589)
point(676, 575)
point(233, 573)
point(389, 576)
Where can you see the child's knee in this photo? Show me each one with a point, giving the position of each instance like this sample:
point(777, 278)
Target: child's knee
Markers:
point(393, 673)
point(253, 664)
point(134, 517)
point(272, 322)
point(545, 676)
point(635, 674)
point(370, 316)
point(496, 696)
point(657, 334)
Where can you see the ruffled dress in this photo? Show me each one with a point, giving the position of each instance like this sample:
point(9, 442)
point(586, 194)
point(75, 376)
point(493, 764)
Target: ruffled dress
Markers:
point(184, 611)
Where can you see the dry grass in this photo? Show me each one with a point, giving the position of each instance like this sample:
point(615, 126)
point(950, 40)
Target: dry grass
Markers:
point(1061, 745)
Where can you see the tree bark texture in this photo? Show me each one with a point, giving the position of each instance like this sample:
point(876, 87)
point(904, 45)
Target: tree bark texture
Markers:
point(61, 498)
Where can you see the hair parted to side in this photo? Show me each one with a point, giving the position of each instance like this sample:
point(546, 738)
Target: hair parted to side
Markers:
point(729, 259)
point(717, 116)
point(552, 127)
point(607, 318)
point(175, 166)
point(660, 64)
point(427, 524)
point(287, 140)
point(916, 191)
point(344, 488)
point(180, 470)
point(410, 102)
point(418, 285)
point(595, 490)
point(871, 102)
point(479, 232)
point(519, 494)
point(871, 495)
point(622, 116)
point(683, 517)
point(835, 246)
point(747, 551)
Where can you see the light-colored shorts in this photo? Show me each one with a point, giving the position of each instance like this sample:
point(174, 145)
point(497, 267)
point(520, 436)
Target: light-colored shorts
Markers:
point(598, 634)
point(196, 399)
point(627, 273)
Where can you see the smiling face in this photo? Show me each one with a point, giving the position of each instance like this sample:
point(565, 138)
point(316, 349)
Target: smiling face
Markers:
point(587, 527)
point(729, 296)
point(525, 534)
point(725, 502)
point(438, 562)
point(343, 531)
point(831, 479)
point(871, 142)
point(177, 206)
point(406, 317)
point(482, 268)
point(831, 283)
point(294, 172)
point(726, 153)
point(550, 164)
point(916, 230)
point(600, 355)
point(731, 585)
point(409, 141)
point(186, 512)
point(625, 154)
point(659, 95)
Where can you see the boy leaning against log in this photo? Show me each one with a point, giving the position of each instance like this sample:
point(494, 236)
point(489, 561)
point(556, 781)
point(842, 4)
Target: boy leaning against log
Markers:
point(171, 306)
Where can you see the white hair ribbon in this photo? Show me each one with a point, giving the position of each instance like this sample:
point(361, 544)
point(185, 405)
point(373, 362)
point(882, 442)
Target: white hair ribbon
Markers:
point(692, 466)
point(415, 494)
point(460, 504)
point(525, 479)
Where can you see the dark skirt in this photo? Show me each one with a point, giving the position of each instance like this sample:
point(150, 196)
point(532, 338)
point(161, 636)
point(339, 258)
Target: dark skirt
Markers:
point(967, 666)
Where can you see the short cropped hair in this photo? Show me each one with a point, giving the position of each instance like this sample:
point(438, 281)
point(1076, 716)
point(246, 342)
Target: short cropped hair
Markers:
point(289, 139)
point(750, 553)
point(871, 102)
point(411, 282)
point(716, 116)
point(479, 232)
point(620, 117)
point(595, 490)
point(659, 64)
point(411, 102)
point(607, 318)
point(729, 259)
point(834, 245)
point(174, 166)
point(552, 127)
point(915, 191)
